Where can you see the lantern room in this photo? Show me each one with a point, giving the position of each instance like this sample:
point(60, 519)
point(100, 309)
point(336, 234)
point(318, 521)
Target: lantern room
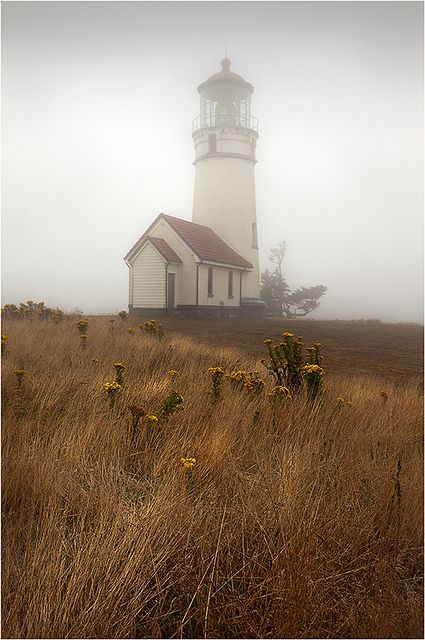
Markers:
point(225, 101)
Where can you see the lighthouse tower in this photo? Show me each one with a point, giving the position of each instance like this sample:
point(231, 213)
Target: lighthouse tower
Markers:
point(225, 137)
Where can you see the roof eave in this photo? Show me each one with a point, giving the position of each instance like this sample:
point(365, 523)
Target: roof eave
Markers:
point(137, 246)
point(228, 264)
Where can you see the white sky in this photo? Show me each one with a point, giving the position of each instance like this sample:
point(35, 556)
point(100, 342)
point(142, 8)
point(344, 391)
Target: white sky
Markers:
point(97, 107)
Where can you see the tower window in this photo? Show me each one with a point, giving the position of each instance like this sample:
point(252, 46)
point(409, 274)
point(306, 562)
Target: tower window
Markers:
point(254, 236)
point(212, 143)
point(230, 285)
point(210, 281)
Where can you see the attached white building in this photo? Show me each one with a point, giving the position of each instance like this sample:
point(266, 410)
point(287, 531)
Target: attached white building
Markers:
point(208, 267)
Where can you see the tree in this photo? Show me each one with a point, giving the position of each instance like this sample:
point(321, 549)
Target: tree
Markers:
point(277, 295)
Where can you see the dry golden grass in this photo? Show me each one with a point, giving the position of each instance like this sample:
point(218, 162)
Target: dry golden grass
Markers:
point(309, 526)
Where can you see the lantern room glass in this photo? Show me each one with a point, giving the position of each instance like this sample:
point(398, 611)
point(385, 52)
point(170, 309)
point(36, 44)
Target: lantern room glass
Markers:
point(225, 105)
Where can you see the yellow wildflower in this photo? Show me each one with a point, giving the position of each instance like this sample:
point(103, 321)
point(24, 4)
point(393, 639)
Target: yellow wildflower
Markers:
point(82, 326)
point(313, 369)
point(236, 376)
point(188, 463)
point(215, 370)
point(111, 387)
point(279, 393)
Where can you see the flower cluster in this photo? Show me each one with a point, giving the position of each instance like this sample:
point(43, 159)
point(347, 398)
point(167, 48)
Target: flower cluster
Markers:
point(313, 369)
point(188, 463)
point(278, 396)
point(172, 373)
point(285, 360)
point(130, 331)
point(281, 393)
point(153, 327)
point(217, 374)
point(31, 309)
point(313, 376)
point(236, 377)
point(246, 380)
point(290, 368)
point(82, 326)
point(111, 389)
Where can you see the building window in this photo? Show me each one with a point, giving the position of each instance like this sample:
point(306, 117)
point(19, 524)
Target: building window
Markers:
point(210, 281)
point(230, 285)
point(254, 236)
point(212, 143)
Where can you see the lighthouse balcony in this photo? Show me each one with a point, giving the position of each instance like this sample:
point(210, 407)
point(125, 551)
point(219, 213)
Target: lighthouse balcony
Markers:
point(209, 121)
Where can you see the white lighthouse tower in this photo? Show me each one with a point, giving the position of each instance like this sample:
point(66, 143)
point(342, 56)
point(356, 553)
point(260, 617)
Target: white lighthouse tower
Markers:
point(207, 268)
point(225, 137)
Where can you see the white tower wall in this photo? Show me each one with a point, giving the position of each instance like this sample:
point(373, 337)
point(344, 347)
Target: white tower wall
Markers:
point(224, 196)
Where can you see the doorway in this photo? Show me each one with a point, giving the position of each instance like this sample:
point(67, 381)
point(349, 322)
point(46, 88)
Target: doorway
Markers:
point(171, 290)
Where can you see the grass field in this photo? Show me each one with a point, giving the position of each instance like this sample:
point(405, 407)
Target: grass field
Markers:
point(390, 351)
point(302, 522)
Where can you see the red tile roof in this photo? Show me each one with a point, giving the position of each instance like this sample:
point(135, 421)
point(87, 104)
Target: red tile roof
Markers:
point(164, 249)
point(203, 241)
point(206, 243)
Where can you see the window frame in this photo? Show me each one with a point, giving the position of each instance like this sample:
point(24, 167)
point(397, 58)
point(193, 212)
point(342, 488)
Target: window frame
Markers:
point(254, 236)
point(210, 282)
point(212, 143)
point(230, 284)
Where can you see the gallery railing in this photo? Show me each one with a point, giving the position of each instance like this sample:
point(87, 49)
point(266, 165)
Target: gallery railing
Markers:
point(240, 121)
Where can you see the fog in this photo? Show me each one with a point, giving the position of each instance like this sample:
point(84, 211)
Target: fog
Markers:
point(98, 102)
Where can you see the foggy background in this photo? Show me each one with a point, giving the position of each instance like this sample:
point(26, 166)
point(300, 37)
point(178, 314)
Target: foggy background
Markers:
point(98, 102)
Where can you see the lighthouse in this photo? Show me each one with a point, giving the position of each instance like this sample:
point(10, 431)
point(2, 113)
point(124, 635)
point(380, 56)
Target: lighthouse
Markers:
point(225, 138)
point(207, 267)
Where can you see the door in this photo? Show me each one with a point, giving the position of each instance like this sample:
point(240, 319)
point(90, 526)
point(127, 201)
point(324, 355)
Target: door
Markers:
point(171, 290)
